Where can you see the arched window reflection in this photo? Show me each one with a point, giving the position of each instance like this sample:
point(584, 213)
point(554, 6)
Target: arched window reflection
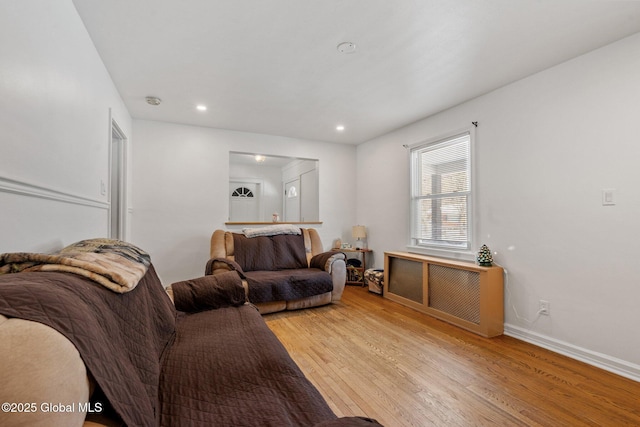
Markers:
point(242, 192)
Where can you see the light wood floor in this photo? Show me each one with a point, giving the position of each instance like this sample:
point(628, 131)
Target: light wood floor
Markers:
point(372, 357)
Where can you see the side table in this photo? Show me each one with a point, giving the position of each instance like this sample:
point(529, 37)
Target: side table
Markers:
point(355, 275)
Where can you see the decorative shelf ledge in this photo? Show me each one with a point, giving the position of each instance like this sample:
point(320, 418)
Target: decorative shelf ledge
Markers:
point(270, 223)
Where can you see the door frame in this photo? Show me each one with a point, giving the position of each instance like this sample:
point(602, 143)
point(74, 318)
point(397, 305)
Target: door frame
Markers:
point(117, 166)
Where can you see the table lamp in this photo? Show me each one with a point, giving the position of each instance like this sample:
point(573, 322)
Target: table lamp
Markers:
point(359, 232)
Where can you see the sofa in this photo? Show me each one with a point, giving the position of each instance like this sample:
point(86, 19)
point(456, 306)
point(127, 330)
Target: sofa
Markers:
point(282, 267)
point(82, 344)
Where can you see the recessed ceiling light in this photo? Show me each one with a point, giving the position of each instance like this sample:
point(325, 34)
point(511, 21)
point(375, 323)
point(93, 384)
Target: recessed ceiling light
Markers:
point(201, 107)
point(260, 158)
point(346, 47)
point(153, 100)
point(339, 128)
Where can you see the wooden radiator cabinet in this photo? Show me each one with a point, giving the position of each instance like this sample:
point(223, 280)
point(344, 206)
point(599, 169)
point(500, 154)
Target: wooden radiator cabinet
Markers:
point(462, 293)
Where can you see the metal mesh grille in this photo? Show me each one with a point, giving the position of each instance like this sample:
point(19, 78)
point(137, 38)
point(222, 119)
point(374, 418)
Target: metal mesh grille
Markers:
point(456, 292)
point(405, 279)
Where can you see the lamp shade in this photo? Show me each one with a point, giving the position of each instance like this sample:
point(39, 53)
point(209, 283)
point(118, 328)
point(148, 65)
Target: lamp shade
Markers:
point(359, 232)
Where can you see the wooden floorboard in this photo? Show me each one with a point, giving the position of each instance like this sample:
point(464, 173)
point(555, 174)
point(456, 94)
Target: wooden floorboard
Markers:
point(372, 357)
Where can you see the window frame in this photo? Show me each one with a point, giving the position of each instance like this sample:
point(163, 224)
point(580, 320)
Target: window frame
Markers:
point(437, 249)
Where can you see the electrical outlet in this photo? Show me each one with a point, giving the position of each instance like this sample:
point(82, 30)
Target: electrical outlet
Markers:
point(543, 307)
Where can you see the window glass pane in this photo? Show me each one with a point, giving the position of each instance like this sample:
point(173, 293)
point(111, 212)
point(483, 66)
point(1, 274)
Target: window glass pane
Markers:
point(443, 220)
point(444, 168)
point(242, 192)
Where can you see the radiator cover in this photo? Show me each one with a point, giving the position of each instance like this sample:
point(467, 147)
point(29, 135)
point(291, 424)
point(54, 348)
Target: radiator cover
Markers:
point(461, 293)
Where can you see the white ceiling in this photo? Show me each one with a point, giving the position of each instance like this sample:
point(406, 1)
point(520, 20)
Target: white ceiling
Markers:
point(272, 67)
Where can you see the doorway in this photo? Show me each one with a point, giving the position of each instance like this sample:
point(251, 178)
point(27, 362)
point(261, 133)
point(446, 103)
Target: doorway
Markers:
point(117, 173)
point(244, 201)
point(292, 201)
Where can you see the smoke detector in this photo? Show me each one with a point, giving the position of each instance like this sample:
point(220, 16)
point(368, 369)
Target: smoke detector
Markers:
point(152, 100)
point(347, 47)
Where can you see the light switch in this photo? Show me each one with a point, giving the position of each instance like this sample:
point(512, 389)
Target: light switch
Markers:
point(608, 197)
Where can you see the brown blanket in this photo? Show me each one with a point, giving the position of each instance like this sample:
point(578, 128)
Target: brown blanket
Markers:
point(226, 368)
point(287, 285)
point(209, 292)
point(121, 337)
point(269, 252)
point(323, 260)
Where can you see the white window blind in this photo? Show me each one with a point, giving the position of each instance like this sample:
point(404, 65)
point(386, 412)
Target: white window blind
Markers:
point(441, 193)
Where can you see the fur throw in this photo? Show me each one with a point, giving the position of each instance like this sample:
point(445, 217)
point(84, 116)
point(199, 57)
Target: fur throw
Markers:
point(114, 264)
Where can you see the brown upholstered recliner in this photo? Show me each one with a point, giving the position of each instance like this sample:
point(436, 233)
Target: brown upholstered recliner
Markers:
point(223, 248)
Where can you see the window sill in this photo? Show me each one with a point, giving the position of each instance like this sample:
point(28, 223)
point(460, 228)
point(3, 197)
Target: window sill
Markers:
point(443, 253)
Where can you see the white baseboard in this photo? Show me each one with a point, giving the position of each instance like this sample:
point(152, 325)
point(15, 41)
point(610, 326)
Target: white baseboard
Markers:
point(603, 361)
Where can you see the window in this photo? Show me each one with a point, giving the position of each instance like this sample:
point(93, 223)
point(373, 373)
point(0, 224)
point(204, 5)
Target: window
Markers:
point(242, 192)
point(441, 193)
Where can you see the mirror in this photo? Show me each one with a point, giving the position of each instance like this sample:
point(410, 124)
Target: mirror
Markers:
point(262, 187)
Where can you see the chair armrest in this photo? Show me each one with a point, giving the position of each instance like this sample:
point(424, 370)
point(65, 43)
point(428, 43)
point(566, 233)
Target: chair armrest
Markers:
point(339, 277)
point(222, 265)
point(40, 367)
point(209, 292)
point(325, 260)
point(334, 263)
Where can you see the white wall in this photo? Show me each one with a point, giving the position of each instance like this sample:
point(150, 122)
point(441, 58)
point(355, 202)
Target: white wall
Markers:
point(55, 96)
point(180, 189)
point(546, 146)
